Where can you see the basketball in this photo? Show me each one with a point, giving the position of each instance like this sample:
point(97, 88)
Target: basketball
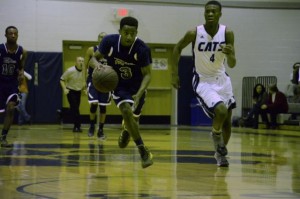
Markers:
point(105, 79)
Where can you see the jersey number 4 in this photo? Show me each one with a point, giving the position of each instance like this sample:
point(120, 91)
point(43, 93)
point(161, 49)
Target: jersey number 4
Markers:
point(212, 58)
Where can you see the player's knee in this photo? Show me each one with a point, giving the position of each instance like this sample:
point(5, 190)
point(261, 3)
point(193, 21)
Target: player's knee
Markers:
point(10, 107)
point(93, 108)
point(126, 111)
point(221, 111)
point(102, 109)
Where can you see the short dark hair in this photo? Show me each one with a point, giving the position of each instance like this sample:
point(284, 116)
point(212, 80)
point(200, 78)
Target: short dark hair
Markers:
point(9, 27)
point(273, 88)
point(214, 3)
point(130, 21)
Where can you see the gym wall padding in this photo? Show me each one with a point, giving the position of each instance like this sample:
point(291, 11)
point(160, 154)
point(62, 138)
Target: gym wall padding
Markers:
point(185, 92)
point(45, 94)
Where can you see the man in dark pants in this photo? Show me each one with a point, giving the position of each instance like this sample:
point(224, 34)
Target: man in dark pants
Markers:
point(72, 83)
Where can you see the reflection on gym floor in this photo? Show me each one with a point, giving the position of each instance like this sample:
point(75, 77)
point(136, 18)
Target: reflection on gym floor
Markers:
point(52, 162)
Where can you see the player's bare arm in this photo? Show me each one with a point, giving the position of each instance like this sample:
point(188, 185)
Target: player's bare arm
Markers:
point(146, 71)
point(228, 49)
point(94, 61)
point(188, 38)
point(89, 53)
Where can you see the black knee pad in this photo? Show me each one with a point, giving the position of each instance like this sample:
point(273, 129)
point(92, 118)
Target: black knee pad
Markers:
point(102, 109)
point(93, 108)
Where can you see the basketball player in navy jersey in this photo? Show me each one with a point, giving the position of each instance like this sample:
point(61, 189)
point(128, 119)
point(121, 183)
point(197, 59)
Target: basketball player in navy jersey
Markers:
point(95, 98)
point(212, 44)
point(12, 61)
point(131, 59)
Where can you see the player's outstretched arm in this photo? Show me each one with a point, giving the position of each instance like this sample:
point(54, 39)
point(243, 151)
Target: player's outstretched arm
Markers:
point(89, 53)
point(94, 61)
point(188, 38)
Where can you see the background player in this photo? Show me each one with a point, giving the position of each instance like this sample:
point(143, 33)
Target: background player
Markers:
point(212, 44)
point(131, 59)
point(12, 61)
point(95, 97)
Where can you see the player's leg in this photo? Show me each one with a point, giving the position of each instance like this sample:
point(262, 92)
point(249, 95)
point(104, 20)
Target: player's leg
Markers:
point(93, 101)
point(93, 110)
point(104, 100)
point(102, 117)
point(8, 118)
point(132, 126)
point(124, 137)
point(227, 127)
point(221, 113)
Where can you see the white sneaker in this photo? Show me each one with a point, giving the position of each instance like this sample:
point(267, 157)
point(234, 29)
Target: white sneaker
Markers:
point(221, 160)
point(219, 143)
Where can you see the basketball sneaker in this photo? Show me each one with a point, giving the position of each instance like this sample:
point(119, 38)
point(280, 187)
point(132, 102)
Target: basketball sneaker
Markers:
point(146, 156)
point(124, 137)
point(219, 143)
point(91, 131)
point(221, 160)
point(101, 135)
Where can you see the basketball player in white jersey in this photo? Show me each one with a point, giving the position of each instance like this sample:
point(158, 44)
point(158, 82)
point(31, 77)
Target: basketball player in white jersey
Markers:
point(213, 46)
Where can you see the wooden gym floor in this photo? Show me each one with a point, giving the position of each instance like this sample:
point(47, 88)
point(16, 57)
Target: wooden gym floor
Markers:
point(52, 162)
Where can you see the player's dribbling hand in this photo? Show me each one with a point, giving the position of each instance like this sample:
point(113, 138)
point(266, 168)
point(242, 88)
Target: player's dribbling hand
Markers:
point(99, 66)
point(136, 99)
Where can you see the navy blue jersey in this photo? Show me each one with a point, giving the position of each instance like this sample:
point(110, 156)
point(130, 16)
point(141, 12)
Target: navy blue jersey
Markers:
point(10, 64)
point(126, 61)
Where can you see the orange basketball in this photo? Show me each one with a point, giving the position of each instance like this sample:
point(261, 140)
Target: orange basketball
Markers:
point(105, 79)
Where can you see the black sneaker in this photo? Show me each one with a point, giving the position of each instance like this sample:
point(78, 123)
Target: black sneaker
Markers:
point(124, 139)
point(101, 135)
point(77, 130)
point(91, 131)
point(4, 143)
point(146, 157)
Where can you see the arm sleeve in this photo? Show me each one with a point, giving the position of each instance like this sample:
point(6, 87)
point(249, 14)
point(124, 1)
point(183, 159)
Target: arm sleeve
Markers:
point(65, 75)
point(145, 57)
point(27, 75)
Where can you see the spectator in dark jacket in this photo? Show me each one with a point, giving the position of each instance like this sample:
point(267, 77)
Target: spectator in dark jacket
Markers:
point(260, 97)
point(276, 103)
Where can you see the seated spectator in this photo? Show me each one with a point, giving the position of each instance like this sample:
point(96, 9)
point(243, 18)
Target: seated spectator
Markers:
point(296, 96)
point(260, 97)
point(295, 78)
point(276, 103)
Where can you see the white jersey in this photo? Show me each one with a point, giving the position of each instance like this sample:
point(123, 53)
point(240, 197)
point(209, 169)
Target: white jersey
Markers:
point(208, 56)
point(73, 78)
